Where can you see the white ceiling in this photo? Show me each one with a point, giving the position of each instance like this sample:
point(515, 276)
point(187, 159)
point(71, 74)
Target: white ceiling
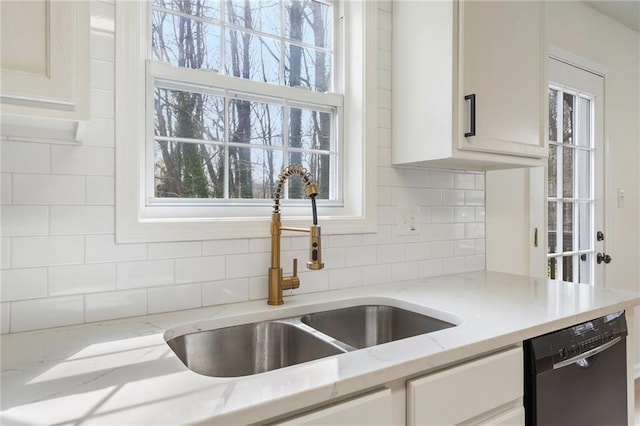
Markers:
point(626, 12)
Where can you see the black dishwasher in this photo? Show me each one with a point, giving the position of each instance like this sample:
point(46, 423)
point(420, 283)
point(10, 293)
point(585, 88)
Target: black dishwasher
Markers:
point(578, 375)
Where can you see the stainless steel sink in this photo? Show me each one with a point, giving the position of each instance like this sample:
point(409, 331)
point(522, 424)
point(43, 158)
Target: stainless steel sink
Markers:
point(370, 325)
point(249, 349)
point(259, 347)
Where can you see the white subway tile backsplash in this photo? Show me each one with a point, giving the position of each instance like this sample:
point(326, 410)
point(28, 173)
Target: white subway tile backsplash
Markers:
point(360, 256)
point(440, 249)
point(220, 247)
point(100, 132)
point(226, 291)
point(474, 263)
point(349, 240)
point(345, 278)
point(102, 103)
point(102, 76)
point(431, 268)
point(200, 269)
point(5, 318)
point(384, 41)
point(5, 253)
point(405, 196)
point(417, 178)
point(144, 274)
point(35, 189)
point(249, 265)
point(417, 251)
point(46, 251)
point(24, 221)
point(464, 181)
point(384, 137)
point(376, 274)
point(102, 46)
point(464, 214)
point(115, 304)
point(391, 253)
point(69, 220)
point(45, 313)
point(453, 265)
point(258, 288)
point(431, 232)
point(474, 230)
point(25, 157)
point(313, 282)
point(80, 279)
point(430, 197)
point(443, 180)
point(474, 198)
point(21, 284)
point(61, 265)
point(102, 248)
point(384, 79)
point(332, 256)
point(441, 214)
point(5, 190)
point(384, 156)
point(405, 271)
point(82, 160)
point(174, 298)
point(387, 215)
point(175, 250)
point(385, 195)
point(464, 248)
point(383, 236)
point(102, 16)
point(453, 197)
point(453, 231)
point(384, 21)
point(100, 190)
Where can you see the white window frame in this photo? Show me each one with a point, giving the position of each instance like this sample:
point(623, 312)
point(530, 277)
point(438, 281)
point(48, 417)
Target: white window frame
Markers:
point(137, 221)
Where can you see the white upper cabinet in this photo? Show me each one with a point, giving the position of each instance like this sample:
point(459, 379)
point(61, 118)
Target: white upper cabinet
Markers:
point(44, 68)
point(468, 84)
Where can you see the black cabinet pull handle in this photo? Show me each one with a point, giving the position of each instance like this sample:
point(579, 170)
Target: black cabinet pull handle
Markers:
point(472, 115)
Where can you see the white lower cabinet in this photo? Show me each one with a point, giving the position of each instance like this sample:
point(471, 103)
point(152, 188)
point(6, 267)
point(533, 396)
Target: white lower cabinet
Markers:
point(487, 391)
point(370, 409)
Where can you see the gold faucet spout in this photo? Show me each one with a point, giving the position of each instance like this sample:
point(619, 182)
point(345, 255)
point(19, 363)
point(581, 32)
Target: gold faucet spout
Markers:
point(277, 280)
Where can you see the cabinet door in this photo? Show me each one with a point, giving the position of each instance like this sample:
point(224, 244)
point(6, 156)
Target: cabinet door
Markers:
point(45, 58)
point(466, 391)
point(502, 54)
point(371, 409)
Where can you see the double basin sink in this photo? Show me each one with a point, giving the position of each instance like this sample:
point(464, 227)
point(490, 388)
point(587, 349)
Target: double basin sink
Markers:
point(254, 348)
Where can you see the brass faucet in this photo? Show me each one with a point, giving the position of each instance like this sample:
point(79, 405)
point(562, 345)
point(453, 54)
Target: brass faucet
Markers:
point(278, 282)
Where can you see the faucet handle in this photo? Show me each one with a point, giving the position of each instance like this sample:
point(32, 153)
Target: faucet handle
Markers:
point(295, 267)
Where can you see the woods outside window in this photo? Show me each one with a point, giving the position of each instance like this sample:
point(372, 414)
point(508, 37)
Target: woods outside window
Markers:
point(230, 138)
point(214, 98)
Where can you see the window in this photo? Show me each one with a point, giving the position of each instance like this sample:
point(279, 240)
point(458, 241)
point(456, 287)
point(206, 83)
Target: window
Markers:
point(226, 93)
point(217, 142)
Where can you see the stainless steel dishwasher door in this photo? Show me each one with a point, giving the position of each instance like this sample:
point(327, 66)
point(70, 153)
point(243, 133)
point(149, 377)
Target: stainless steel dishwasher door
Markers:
point(582, 380)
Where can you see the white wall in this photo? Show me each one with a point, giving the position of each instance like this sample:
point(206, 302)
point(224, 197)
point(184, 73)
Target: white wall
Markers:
point(576, 28)
point(581, 30)
point(60, 264)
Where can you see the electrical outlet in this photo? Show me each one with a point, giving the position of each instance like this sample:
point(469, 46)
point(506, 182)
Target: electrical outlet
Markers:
point(408, 220)
point(620, 198)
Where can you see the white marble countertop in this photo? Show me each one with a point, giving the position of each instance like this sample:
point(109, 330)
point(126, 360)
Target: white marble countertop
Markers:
point(122, 372)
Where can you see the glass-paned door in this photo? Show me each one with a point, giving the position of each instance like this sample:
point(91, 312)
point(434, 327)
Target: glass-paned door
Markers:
point(574, 193)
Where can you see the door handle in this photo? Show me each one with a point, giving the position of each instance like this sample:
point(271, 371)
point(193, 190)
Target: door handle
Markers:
point(603, 257)
point(587, 354)
point(472, 115)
